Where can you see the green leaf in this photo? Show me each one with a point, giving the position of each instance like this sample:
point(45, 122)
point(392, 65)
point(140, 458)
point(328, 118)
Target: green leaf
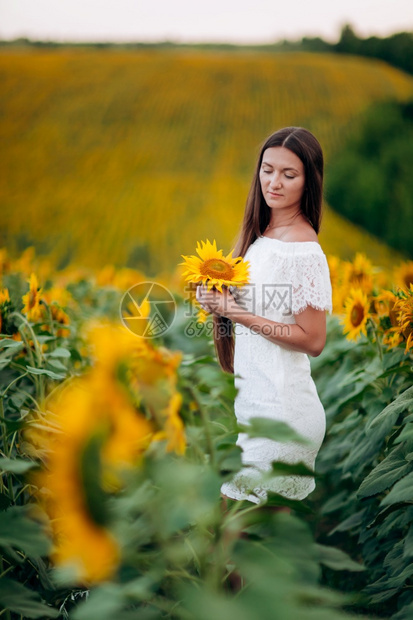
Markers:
point(275, 499)
point(60, 352)
point(401, 492)
point(11, 425)
point(272, 429)
point(5, 501)
point(337, 559)
point(230, 460)
point(44, 371)
point(104, 603)
point(41, 339)
point(56, 365)
point(406, 433)
point(386, 583)
point(18, 399)
point(9, 343)
point(393, 358)
point(279, 468)
point(18, 530)
point(383, 595)
point(404, 402)
point(405, 613)
point(336, 502)
point(386, 473)
point(15, 597)
point(353, 521)
point(408, 544)
point(16, 466)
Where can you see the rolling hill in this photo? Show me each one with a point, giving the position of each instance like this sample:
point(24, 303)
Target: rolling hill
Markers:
point(130, 157)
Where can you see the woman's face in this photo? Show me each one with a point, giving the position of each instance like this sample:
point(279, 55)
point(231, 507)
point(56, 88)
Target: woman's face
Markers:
point(282, 178)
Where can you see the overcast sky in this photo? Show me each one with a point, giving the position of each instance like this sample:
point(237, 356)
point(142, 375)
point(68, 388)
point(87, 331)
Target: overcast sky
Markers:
point(250, 21)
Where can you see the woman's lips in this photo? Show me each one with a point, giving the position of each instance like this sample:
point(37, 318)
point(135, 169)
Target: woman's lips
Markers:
point(274, 194)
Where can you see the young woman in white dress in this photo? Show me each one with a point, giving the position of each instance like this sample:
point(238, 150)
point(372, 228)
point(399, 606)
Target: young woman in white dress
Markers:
point(264, 332)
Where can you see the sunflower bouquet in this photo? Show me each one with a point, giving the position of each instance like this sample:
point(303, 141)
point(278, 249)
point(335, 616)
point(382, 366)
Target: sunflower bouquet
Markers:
point(215, 270)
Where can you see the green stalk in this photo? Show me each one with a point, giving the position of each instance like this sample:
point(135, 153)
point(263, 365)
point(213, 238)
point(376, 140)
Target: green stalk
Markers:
point(207, 423)
point(26, 323)
point(6, 452)
point(49, 313)
point(3, 572)
point(376, 333)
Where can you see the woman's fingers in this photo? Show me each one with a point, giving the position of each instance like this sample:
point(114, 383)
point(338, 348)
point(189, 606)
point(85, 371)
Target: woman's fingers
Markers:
point(205, 298)
point(200, 290)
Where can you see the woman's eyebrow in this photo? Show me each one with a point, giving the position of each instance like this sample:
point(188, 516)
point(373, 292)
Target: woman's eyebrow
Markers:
point(267, 164)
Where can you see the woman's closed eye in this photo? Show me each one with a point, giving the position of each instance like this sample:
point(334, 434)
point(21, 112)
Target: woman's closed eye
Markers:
point(287, 176)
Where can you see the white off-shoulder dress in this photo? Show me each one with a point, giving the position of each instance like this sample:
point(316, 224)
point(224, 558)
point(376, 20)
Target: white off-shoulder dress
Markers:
point(273, 381)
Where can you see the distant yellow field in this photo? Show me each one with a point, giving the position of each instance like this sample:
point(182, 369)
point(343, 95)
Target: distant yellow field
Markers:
point(130, 157)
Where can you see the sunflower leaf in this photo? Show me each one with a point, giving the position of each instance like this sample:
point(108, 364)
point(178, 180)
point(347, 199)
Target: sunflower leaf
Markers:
point(16, 466)
point(272, 429)
point(15, 597)
point(44, 371)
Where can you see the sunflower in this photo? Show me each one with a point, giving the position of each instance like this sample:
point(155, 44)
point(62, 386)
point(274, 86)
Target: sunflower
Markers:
point(392, 338)
point(404, 307)
point(214, 269)
point(99, 434)
point(384, 308)
point(334, 267)
point(356, 308)
point(202, 315)
point(5, 262)
point(32, 299)
point(403, 274)
point(91, 433)
point(173, 430)
point(4, 304)
point(359, 273)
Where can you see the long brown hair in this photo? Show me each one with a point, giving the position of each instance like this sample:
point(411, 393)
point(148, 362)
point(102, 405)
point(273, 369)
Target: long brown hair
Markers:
point(257, 215)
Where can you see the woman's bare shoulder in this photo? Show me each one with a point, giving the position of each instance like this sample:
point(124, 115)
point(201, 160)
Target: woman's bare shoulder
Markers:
point(301, 232)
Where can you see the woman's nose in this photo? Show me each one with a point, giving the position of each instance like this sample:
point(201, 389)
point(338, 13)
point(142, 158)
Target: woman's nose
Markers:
point(275, 180)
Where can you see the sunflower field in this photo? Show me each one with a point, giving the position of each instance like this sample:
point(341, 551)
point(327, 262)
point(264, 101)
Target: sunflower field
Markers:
point(114, 448)
point(128, 157)
point(117, 423)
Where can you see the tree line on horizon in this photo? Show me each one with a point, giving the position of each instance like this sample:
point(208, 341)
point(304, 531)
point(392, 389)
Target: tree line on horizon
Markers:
point(369, 179)
point(396, 49)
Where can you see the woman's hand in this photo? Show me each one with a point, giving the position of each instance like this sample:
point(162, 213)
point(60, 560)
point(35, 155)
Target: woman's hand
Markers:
point(220, 304)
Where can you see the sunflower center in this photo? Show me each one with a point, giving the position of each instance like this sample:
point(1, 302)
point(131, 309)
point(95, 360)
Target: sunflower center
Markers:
point(408, 279)
point(357, 315)
point(217, 268)
point(357, 277)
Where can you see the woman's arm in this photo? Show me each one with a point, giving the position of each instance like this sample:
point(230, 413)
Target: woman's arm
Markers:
point(307, 335)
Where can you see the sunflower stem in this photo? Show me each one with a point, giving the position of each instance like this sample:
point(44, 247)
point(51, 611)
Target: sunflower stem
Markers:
point(376, 334)
point(7, 453)
point(207, 425)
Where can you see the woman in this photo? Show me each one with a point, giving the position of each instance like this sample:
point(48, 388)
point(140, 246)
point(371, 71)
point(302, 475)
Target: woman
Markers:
point(279, 318)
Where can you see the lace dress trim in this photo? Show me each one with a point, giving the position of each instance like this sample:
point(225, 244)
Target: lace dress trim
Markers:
point(304, 265)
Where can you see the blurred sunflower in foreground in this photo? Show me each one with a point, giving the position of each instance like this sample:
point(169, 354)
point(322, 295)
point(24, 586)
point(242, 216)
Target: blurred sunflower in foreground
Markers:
point(95, 428)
